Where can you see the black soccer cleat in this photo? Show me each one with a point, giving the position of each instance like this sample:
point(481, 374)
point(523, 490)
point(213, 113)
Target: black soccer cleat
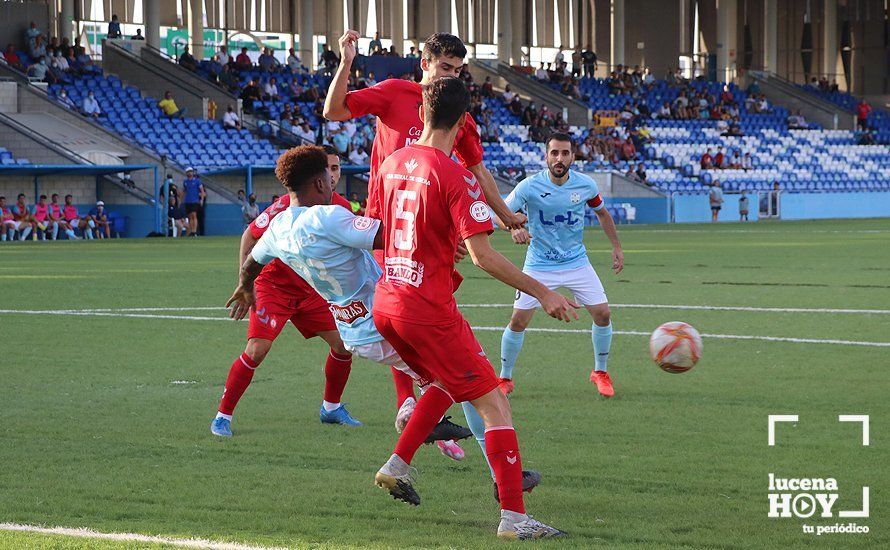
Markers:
point(446, 430)
point(399, 487)
point(530, 480)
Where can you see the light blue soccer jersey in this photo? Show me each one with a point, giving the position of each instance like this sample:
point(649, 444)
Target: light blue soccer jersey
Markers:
point(328, 247)
point(555, 219)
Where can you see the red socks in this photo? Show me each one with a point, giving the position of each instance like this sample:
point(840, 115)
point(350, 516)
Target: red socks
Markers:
point(404, 386)
point(336, 373)
point(429, 410)
point(503, 456)
point(240, 375)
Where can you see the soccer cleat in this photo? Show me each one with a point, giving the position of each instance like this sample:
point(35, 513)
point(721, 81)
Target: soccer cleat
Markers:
point(603, 383)
point(515, 526)
point(221, 427)
point(396, 478)
point(530, 480)
point(337, 416)
point(404, 414)
point(505, 385)
point(451, 449)
point(447, 430)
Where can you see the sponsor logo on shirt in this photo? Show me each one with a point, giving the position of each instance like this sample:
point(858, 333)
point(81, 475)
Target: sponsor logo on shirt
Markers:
point(263, 220)
point(362, 224)
point(545, 195)
point(411, 165)
point(479, 211)
point(349, 313)
point(404, 270)
point(405, 177)
point(414, 135)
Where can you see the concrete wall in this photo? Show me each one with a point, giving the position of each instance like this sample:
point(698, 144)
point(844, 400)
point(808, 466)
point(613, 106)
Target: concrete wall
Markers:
point(653, 23)
point(812, 206)
point(696, 208)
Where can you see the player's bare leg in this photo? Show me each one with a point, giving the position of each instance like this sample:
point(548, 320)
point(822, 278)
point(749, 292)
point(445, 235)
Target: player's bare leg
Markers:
point(601, 335)
point(336, 374)
point(511, 345)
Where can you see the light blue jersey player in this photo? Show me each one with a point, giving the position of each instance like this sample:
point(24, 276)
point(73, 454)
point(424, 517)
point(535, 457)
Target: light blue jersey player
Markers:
point(555, 200)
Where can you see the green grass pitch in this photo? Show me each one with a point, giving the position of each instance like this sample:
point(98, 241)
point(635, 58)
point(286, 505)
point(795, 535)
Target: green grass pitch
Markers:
point(104, 416)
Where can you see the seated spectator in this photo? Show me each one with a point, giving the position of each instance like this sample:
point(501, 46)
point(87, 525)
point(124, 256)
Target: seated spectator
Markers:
point(40, 71)
point(358, 156)
point(12, 59)
point(371, 80)
point(59, 63)
point(90, 106)
point(735, 128)
point(114, 28)
point(304, 132)
point(584, 150)
point(270, 90)
point(726, 97)
point(641, 173)
point(340, 141)
point(707, 161)
point(541, 73)
point(663, 112)
point(251, 210)
point(866, 138)
point(628, 151)
point(169, 107)
point(293, 62)
point(230, 120)
point(243, 62)
point(719, 158)
point(187, 61)
point(100, 217)
point(66, 100)
point(227, 79)
point(138, 35)
point(735, 163)
point(747, 162)
point(631, 172)
point(267, 61)
point(487, 89)
point(560, 124)
point(797, 122)
point(250, 94)
point(515, 107)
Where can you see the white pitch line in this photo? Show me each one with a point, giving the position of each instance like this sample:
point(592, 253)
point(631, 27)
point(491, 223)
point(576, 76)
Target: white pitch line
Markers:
point(488, 329)
point(130, 537)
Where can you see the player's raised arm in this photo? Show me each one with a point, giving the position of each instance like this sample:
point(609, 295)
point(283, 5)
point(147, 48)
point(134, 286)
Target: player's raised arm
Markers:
point(608, 225)
point(492, 262)
point(335, 107)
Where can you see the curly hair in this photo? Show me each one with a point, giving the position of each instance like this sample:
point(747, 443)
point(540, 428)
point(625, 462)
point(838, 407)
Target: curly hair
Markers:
point(300, 165)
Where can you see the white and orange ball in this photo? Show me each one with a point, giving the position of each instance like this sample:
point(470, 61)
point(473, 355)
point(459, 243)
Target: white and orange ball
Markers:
point(675, 347)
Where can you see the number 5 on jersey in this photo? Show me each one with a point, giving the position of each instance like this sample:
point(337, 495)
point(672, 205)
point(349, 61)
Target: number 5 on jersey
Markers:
point(403, 237)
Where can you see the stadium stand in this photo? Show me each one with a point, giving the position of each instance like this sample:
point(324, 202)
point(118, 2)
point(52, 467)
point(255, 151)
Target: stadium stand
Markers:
point(878, 119)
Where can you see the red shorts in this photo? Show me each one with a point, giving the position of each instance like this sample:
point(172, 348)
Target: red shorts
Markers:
point(448, 353)
point(309, 313)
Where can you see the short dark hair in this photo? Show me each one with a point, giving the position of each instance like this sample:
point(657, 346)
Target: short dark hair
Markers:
point(329, 150)
point(442, 43)
point(42, 197)
point(446, 100)
point(20, 195)
point(300, 165)
point(559, 136)
point(68, 197)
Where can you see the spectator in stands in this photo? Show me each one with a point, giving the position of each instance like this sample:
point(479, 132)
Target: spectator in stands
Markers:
point(100, 217)
point(631, 173)
point(358, 155)
point(329, 59)
point(66, 100)
point(797, 121)
point(577, 58)
point(584, 149)
point(59, 63)
point(515, 106)
point(541, 74)
point(10, 224)
point(354, 204)
point(227, 79)
point(735, 128)
point(487, 89)
point(628, 151)
point(743, 206)
point(412, 53)
point(267, 61)
point(747, 163)
point(138, 35)
point(243, 62)
point(37, 48)
point(230, 120)
point(187, 60)
point(707, 160)
point(862, 112)
point(304, 132)
point(377, 51)
point(194, 195)
point(293, 62)
point(508, 95)
point(12, 59)
point(588, 58)
point(114, 28)
point(270, 90)
point(866, 138)
point(32, 33)
point(681, 108)
point(251, 210)
point(560, 124)
point(834, 87)
point(375, 43)
point(719, 158)
point(223, 55)
point(726, 97)
point(641, 173)
point(715, 198)
point(761, 105)
point(249, 95)
point(340, 141)
point(169, 108)
point(75, 221)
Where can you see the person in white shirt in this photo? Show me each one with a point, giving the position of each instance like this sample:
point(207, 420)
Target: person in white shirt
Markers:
point(762, 106)
point(270, 90)
point(332, 127)
point(65, 100)
point(541, 73)
point(508, 95)
point(293, 62)
point(90, 106)
point(230, 120)
point(358, 156)
point(747, 162)
point(223, 55)
point(350, 128)
point(559, 58)
point(59, 62)
point(304, 132)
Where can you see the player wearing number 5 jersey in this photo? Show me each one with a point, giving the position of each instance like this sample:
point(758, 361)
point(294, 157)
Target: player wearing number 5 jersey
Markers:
point(428, 204)
point(555, 200)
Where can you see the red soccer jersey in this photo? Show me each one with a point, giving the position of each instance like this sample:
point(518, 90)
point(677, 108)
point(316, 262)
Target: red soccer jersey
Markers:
point(396, 104)
point(428, 203)
point(277, 274)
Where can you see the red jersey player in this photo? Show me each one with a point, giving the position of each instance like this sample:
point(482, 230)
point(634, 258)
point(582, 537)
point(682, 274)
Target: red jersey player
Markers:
point(428, 203)
point(282, 295)
point(395, 103)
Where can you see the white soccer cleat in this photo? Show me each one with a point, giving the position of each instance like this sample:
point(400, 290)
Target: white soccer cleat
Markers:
point(404, 414)
point(515, 526)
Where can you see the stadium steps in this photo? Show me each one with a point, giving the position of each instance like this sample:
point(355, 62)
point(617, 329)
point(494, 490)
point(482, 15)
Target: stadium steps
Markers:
point(787, 94)
point(577, 113)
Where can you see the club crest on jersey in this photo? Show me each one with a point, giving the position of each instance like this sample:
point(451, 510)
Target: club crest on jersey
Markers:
point(362, 223)
point(479, 211)
point(349, 313)
point(263, 220)
point(575, 197)
point(411, 165)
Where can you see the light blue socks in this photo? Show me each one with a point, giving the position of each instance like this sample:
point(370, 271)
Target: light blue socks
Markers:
point(511, 345)
point(602, 341)
point(477, 426)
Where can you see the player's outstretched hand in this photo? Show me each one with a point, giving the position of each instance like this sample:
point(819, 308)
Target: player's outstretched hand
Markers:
point(348, 45)
point(520, 236)
point(617, 260)
point(461, 252)
point(558, 306)
point(240, 302)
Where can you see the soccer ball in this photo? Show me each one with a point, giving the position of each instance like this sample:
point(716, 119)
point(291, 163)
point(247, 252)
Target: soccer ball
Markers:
point(675, 347)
